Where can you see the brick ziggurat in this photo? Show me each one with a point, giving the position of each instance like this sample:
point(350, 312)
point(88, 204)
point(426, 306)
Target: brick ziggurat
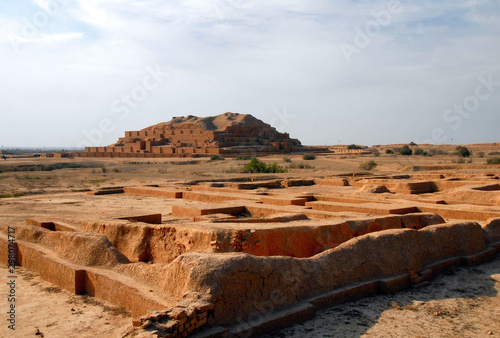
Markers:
point(225, 134)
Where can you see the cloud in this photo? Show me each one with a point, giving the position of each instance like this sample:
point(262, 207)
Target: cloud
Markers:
point(252, 57)
point(48, 38)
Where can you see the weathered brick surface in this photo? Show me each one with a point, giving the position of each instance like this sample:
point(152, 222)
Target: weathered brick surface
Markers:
point(200, 136)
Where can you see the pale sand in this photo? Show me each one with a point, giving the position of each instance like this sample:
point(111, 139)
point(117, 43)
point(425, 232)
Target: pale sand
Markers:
point(464, 302)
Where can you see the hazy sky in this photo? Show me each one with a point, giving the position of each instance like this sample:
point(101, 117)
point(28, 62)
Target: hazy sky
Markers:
point(82, 72)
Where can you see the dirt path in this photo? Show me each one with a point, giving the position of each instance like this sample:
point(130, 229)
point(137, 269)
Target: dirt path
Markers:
point(464, 302)
point(52, 312)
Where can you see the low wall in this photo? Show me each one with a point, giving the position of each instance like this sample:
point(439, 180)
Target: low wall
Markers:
point(156, 192)
point(84, 248)
point(141, 242)
point(78, 279)
point(283, 281)
point(236, 286)
point(301, 238)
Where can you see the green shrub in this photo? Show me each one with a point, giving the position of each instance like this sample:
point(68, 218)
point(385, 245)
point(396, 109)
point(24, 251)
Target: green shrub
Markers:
point(494, 160)
point(300, 166)
point(406, 151)
point(275, 168)
point(436, 151)
point(494, 153)
point(29, 178)
point(10, 195)
point(389, 151)
point(463, 151)
point(309, 156)
point(368, 165)
point(243, 157)
point(257, 166)
point(412, 144)
point(217, 158)
point(420, 152)
point(354, 147)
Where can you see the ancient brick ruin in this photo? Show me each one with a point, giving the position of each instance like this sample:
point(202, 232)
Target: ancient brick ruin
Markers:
point(242, 257)
point(225, 134)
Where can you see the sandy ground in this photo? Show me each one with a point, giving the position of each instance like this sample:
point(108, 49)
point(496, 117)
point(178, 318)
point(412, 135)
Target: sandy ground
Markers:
point(464, 302)
point(44, 310)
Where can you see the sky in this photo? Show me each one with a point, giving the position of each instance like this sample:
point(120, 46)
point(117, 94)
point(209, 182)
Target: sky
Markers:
point(77, 73)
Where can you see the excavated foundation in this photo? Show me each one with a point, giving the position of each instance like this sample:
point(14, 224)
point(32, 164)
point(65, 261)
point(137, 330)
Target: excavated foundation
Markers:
point(243, 258)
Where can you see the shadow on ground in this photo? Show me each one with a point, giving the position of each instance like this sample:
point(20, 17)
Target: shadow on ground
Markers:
point(464, 301)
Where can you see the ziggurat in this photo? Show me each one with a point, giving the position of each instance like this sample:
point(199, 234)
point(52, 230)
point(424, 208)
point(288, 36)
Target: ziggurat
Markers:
point(225, 134)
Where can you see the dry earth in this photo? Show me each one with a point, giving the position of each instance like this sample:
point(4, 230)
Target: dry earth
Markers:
point(463, 302)
point(44, 310)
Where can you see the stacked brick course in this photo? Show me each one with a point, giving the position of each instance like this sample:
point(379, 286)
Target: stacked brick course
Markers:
point(178, 322)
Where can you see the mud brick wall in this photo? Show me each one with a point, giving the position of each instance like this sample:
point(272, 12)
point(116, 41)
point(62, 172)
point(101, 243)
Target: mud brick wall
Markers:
point(401, 253)
point(81, 279)
point(117, 291)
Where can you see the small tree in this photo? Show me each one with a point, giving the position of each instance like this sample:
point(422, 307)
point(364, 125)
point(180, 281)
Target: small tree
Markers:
point(463, 151)
point(389, 151)
point(418, 151)
point(353, 146)
point(368, 165)
point(406, 151)
point(412, 144)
